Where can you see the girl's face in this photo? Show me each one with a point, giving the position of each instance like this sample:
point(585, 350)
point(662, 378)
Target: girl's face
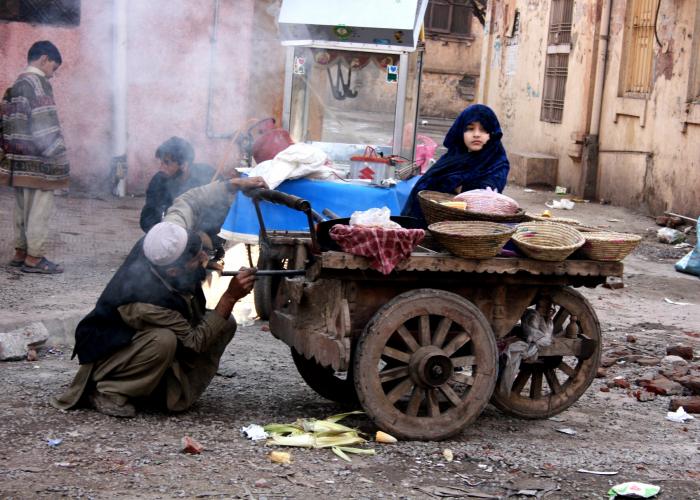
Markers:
point(475, 137)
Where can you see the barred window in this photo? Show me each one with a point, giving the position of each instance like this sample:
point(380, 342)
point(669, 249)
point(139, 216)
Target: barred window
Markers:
point(557, 63)
point(449, 17)
point(638, 49)
point(58, 12)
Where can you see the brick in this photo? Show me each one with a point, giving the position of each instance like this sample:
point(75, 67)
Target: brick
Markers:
point(690, 404)
point(683, 351)
point(644, 396)
point(690, 382)
point(664, 387)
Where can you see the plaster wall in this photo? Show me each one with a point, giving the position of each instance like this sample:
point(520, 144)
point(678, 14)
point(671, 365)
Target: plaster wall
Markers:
point(512, 76)
point(661, 134)
point(450, 74)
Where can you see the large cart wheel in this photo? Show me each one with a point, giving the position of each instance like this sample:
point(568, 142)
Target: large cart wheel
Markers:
point(265, 287)
point(323, 380)
point(425, 365)
point(551, 384)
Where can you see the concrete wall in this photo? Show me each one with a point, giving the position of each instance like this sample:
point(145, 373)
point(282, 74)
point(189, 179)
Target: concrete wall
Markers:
point(450, 74)
point(649, 148)
point(659, 166)
point(168, 75)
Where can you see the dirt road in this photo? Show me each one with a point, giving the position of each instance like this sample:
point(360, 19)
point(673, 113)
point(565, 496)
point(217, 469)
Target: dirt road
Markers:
point(95, 456)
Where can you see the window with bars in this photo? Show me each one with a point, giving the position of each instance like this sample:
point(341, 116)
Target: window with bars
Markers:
point(57, 12)
point(557, 63)
point(449, 17)
point(638, 52)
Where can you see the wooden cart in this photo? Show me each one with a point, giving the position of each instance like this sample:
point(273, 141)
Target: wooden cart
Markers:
point(419, 348)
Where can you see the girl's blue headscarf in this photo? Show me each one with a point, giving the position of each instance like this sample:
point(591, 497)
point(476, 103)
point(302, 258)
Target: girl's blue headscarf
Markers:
point(458, 167)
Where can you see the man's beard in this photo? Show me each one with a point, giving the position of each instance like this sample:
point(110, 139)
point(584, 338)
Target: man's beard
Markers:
point(188, 281)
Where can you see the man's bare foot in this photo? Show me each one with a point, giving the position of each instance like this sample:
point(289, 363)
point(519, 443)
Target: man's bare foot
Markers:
point(30, 260)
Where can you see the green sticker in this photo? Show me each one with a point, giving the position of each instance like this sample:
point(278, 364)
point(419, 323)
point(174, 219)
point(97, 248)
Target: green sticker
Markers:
point(343, 32)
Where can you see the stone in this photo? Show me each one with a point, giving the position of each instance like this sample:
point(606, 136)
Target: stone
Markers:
point(670, 362)
point(683, 351)
point(621, 382)
point(644, 395)
point(690, 382)
point(601, 373)
point(15, 344)
point(631, 339)
point(605, 388)
point(690, 404)
point(664, 387)
point(647, 361)
point(607, 361)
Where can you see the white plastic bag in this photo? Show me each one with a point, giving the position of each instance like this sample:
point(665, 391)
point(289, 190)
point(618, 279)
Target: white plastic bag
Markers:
point(374, 217)
point(564, 204)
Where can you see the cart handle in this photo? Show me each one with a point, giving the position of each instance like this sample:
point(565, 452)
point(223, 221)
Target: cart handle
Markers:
point(288, 200)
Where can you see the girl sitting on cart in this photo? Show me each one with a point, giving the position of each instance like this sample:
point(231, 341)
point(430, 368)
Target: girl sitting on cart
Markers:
point(475, 159)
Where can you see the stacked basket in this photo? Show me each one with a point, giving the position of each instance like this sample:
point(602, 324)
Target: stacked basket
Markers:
point(547, 240)
point(472, 239)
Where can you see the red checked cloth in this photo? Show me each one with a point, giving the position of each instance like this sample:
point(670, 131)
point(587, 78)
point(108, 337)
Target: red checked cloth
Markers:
point(384, 247)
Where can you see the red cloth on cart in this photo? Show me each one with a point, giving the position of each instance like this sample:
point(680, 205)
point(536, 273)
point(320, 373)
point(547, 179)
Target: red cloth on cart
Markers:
point(384, 247)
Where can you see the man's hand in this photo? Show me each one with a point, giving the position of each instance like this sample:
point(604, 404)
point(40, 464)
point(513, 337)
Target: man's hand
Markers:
point(241, 284)
point(239, 287)
point(246, 183)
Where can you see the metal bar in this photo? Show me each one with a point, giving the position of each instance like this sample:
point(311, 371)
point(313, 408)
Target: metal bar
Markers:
point(681, 217)
point(400, 104)
point(286, 107)
point(270, 272)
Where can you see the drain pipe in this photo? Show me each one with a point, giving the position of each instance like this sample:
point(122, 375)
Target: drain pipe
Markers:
point(589, 161)
point(119, 95)
point(213, 41)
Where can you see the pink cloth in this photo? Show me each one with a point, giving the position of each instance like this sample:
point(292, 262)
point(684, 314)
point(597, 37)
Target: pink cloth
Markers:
point(384, 247)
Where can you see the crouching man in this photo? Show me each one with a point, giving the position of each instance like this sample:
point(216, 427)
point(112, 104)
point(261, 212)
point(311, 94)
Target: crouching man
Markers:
point(149, 339)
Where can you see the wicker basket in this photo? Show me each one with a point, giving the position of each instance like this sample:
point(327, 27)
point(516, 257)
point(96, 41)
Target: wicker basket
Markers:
point(472, 239)
point(547, 240)
point(609, 246)
point(434, 211)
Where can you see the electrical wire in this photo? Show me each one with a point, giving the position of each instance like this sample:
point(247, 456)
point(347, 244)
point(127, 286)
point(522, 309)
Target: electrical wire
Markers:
point(656, 20)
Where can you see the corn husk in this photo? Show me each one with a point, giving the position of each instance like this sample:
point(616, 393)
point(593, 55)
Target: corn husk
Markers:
point(341, 416)
point(383, 437)
point(340, 453)
point(280, 457)
point(283, 429)
point(324, 426)
point(357, 451)
point(299, 440)
point(344, 439)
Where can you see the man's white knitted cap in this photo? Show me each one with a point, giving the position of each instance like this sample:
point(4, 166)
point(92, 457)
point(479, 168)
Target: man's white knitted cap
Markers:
point(164, 243)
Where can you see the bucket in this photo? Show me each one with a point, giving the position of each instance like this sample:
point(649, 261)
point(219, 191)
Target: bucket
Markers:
point(270, 143)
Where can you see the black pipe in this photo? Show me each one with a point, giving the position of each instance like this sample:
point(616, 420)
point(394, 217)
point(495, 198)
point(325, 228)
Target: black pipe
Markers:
point(270, 272)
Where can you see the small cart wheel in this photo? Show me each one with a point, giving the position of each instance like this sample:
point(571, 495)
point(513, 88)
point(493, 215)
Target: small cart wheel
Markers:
point(551, 384)
point(265, 287)
point(425, 365)
point(322, 379)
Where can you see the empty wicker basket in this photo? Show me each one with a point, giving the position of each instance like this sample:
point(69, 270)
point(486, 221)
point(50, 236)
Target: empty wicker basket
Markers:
point(547, 240)
point(434, 211)
point(562, 220)
point(472, 239)
point(604, 245)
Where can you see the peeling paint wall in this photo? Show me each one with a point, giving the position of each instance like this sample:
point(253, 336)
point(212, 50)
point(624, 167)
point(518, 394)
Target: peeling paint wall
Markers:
point(663, 131)
point(649, 148)
point(450, 74)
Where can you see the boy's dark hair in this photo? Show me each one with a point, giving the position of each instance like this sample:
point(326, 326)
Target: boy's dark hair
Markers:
point(176, 149)
point(44, 48)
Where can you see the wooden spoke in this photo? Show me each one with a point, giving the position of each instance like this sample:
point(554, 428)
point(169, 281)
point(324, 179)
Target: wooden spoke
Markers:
point(520, 381)
point(424, 329)
point(393, 373)
point(536, 385)
point(414, 403)
point(462, 378)
point(462, 361)
point(570, 372)
point(552, 381)
point(407, 338)
point(395, 394)
point(390, 352)
point(441, 332)
point(451, 395)
point(456, 343)
point(433, 406)
point(559, 319)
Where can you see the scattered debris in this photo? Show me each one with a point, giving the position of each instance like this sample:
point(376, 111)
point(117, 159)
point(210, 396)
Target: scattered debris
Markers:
point(559, 190)
point(16, 344)
point(677, 303)
point(563, 204)
point(598, 472)
point(528, 190)
point(644, 395)
point(615, 220)
point(614, 283)
point(191, 446)
point(54, 442)
point(679, 416)
point(383, 437)
point(670, 236)
point(254, 432)
point(280, 457)
point(447, 453)
point(453, 491)
point(567, 430)
point(634, 490)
